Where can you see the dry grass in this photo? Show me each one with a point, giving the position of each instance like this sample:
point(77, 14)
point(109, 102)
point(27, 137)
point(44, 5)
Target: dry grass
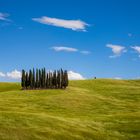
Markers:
point(87, 110)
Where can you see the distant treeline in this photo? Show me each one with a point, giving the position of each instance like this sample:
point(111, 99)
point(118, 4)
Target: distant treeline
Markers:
point(40, 79)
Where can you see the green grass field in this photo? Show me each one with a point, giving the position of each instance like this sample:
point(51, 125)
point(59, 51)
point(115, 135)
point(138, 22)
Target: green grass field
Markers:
point(86, 110)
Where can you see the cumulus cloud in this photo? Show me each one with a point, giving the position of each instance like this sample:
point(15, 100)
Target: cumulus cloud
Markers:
point(116, 49)
point(75, 25)
point(4, 16)
point(137, 49)
point(14, 74)
point(2, 74)
point(75, 76)
point(66, 49)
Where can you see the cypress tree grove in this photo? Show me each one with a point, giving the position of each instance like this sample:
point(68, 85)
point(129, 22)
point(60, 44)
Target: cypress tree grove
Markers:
point(40, 79)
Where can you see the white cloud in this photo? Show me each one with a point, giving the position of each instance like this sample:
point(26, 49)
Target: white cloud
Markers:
point(2, 74)
point(116, 49)
point(3, 16)
point(137, 49)
point(76, 25)
point(66, 49)
point(85, 52)
point(14, 74)
point(75, 76)
point(117, 78)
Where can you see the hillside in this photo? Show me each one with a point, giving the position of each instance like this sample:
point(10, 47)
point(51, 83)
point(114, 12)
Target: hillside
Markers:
point(86, 110)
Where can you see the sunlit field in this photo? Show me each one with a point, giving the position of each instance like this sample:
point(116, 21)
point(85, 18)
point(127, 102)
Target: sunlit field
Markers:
point(86, 110)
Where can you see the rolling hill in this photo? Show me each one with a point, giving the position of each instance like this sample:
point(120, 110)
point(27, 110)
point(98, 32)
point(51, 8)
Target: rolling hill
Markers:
point(87, 110)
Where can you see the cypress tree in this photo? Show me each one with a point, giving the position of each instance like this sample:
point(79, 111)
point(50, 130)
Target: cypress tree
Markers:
point(26, 80)
point(44, 78)
point(23, 78)
point(58, 79)
point(54, 80)
point(37, 79)
point(33, 78)
point(40, 78)
point(65, 79)
point(62, 78)
point(50, 80)
point(47, 81)
point(30, 79)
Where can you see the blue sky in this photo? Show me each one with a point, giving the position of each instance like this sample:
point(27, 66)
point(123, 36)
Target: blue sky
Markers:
point(87, 37)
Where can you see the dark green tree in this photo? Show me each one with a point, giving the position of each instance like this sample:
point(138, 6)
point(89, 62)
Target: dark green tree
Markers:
point(44, 78)
point(54, 80)
point(30, 79)
point(50, 80)
point(62, 78)
point(47, 80)
point(37, 79)
point(65, 79)
point(23, 79)
point(58, 79)
point(26, 80)
point(40, 78)
point(33, 78)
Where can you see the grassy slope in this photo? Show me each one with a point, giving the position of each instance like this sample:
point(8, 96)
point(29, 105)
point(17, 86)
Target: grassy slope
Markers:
point(87, 110)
